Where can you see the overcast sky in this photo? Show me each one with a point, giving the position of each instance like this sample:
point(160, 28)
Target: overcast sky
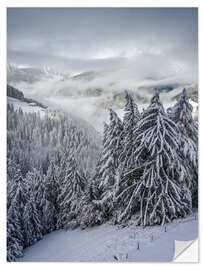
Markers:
point(128, 39)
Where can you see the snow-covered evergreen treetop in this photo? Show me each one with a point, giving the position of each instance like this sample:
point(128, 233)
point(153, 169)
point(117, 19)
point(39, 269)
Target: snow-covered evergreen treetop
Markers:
point(112, 147)
point(156, 188)
point(71, 192)
point(181, 113)
point(130, 119)
point(105, 176)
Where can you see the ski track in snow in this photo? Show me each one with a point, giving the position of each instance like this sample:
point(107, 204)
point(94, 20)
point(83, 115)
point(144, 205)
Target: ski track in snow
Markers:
point(102, 243)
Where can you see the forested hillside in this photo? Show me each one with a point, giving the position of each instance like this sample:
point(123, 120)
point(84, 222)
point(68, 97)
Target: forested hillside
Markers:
point(60, 175)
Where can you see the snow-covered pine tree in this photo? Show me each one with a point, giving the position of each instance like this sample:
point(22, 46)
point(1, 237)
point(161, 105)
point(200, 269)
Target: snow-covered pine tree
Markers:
point(37, 187)
point(52, 185)
point(12, 171)
point(91, 214)
point(62, 177)
point(15, 234)
point(32, 226)
point(181, 114)
point(95, 187)
point(46, 211)
point(52, 190)
point(48, 215)
point(159, 189)
point(17, 197)
point(71, 194)
point(61, 170)
point(109, 162)
point(18, 191)
point(112, 149)
point(14, 244)
point(64, 210)
point(130, 119)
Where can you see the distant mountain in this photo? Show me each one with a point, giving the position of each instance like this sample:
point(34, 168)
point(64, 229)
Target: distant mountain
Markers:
point(30, 75)
point(87, 76)
point(81, 84)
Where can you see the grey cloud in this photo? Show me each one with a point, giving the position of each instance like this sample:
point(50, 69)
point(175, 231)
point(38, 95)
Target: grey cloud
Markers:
point(136, 41)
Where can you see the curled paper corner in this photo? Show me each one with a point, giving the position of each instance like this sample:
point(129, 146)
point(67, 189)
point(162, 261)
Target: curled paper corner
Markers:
point(186, 251)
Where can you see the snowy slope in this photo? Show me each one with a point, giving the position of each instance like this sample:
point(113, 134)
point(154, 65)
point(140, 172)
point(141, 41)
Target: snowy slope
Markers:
point(26, 107)
point(102, 243)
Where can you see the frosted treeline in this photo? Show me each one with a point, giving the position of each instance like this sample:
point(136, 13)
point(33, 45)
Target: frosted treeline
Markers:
point(38, 153)
point(146, 171)
point(33, 141)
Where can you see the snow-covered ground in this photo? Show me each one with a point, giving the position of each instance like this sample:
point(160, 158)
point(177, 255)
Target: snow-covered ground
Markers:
point(107, 243)
point(26, 107)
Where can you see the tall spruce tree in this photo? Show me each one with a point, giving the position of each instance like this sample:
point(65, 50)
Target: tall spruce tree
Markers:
point(48, 218)
point(37, 188)
point(46, 211)
point(95, 186)
point(17, 198)
point(12, 168)
point(15, 233)
point(52, 190)
point(181, 114)
point(91, 214)
point(130, 119)
point(71, 193)
point(14, 243)
point(112, 148)
point(18, 188)
point(32, 226)
point(158, 191)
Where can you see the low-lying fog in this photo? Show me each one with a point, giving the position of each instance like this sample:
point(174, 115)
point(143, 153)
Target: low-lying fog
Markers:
point(98, 53)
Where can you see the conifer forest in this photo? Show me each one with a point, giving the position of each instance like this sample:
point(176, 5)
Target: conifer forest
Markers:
point(62, 174)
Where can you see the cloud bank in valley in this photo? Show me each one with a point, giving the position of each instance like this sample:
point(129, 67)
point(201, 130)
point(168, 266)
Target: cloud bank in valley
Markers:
point(127, 47)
